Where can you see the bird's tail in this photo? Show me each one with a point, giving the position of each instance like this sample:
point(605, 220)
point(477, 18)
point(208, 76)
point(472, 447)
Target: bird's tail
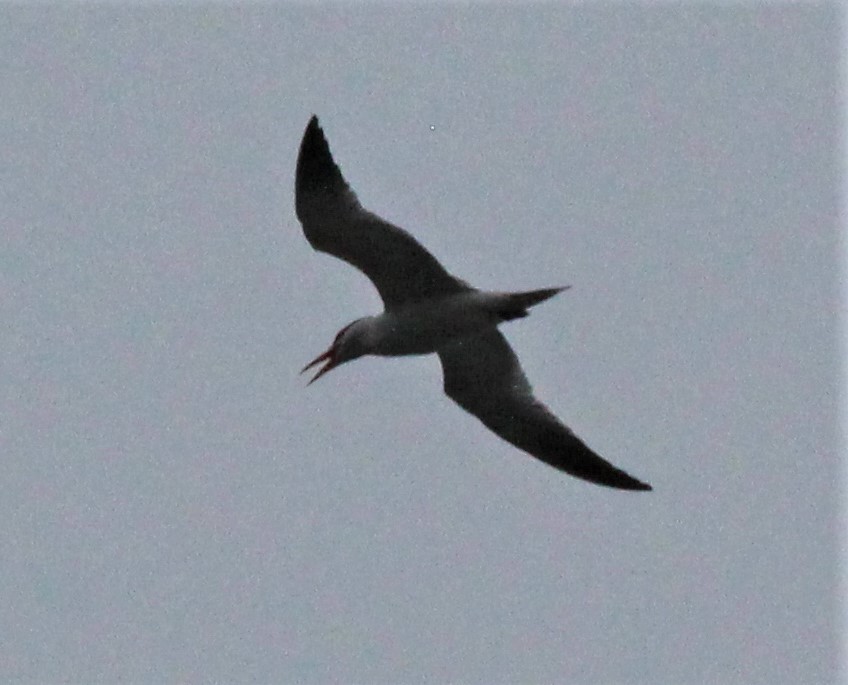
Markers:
point(515, 305)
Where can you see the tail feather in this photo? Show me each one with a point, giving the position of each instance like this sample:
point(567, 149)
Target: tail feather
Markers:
point(515, 305)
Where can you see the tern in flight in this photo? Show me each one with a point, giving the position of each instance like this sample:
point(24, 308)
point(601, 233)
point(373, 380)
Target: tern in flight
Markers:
point(428, 310)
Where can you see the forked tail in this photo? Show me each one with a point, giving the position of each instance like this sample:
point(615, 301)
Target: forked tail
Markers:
point(515, 305)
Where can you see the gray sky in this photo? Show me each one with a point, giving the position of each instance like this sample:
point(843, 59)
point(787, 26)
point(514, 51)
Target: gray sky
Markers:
point(177, 506)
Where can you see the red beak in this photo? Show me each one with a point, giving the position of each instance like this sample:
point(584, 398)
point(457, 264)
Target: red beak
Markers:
point(331, 363)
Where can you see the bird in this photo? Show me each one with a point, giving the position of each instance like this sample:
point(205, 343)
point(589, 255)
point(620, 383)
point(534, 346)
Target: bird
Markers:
point(428, 310)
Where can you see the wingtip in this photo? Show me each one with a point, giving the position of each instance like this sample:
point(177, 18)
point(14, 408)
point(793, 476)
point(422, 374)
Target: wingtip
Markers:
point(625, 481)
point(313, 135)
point(316, 170)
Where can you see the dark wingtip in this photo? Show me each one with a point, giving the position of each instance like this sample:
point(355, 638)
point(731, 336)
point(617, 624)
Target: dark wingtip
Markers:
point(317, 172)
point(610, 476)
point(314, 149)
point(624, 481)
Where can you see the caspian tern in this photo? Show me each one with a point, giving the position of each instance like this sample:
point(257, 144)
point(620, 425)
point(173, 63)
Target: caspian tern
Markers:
point(428, 310)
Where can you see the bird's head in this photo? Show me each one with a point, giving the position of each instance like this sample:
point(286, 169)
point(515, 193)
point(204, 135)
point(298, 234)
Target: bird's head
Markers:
point(350, 343)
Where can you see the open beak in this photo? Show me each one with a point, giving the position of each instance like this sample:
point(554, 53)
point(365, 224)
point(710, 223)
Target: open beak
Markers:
point(327, 356)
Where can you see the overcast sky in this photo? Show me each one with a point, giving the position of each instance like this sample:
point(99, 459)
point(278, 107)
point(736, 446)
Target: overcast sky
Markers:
point(177, 507)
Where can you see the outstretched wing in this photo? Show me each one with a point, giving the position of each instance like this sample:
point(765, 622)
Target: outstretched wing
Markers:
point(484, 377)
point(334, 222)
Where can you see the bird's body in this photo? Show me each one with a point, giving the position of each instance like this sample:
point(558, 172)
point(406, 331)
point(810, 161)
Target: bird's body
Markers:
point(428, 310)
point(426, 326)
